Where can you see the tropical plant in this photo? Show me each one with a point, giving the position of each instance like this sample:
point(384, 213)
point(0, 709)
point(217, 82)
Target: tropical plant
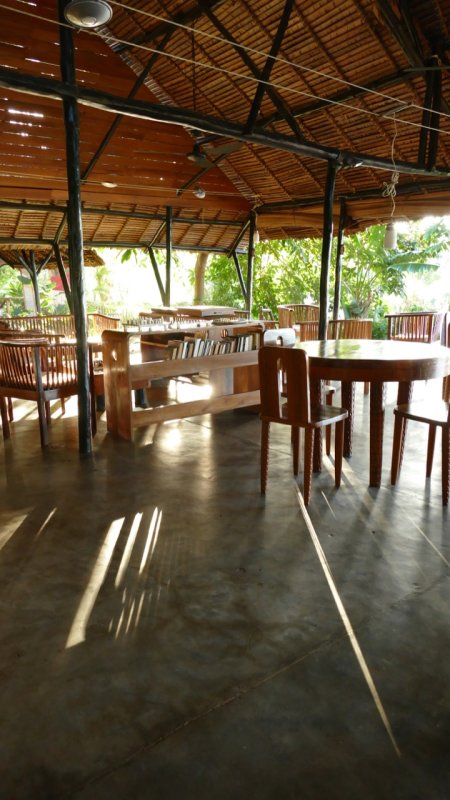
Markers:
point(284, 271)
point(370, 271)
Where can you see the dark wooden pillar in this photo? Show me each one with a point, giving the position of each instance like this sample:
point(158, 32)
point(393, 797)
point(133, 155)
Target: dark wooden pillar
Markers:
point(240, 275)
point(168, 252)
point(250, 262)
point(338, 270)
point(154, 262)
point(62, 275)
point(75, 234)
point(326, 247)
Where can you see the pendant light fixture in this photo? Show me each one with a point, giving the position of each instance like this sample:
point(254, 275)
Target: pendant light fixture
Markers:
point(390, 237)
point(88, 13)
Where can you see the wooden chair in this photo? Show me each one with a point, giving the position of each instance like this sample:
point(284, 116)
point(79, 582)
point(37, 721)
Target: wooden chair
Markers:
point(436, 414)
point(289, 315)
point(351, 329)
point(40, 371)
point(266, 313)
point(285, 398)
point(420, 326)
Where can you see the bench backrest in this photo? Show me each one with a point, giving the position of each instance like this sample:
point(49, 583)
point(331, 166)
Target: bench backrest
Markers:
point(37, 366)
point(61, 324)
point(416, 326)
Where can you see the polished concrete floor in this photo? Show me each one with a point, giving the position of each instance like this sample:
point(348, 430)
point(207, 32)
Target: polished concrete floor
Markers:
point(167, 633)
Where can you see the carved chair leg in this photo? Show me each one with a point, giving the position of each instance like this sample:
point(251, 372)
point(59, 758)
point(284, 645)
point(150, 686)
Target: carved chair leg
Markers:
point(445, 464)
point(5, 420)
point(295, 441)
point(265, 431)
point(430, 448)
point(396, 447)
point(338, 452)
point(10, 410)
point(308, 464)
point(43, 429)
point(329, 402)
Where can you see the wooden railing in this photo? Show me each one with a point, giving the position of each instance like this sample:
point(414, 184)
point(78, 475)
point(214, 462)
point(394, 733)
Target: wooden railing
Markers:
point(61, 324)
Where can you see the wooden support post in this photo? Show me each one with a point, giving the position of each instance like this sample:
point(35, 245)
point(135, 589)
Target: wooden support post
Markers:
point(250, 262)
point(338, 270)
point(75, 234)
point(162, 291)
point(326, 247)
point(168, 252)
point(63, 276)
point(240, 275)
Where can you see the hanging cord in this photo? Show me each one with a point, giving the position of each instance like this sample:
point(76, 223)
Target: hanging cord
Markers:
point(390, 187)
point(194, 98)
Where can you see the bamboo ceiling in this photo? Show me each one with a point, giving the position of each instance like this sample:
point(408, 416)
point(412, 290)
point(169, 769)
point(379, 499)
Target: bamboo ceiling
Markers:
point(363, 84)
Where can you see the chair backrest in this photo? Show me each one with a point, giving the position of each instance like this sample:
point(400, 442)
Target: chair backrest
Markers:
point(284, 385)
point(20, 365)
point(281, 336)
point(292, 313)
point(266, 313)
point(307, 331)
point(97, 323)
point(350, 329)
point(35, 366)
point(421, 326)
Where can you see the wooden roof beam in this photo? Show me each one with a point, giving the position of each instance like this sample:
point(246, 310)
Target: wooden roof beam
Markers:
point(36, 242)
point(268, 66)
point(49, 87)
point(273, 94)
point(403, 31)
point(366, 194)
point(345, 96)
point(112, 212)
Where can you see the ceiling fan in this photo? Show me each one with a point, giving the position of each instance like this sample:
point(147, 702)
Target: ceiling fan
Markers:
point(204, 159)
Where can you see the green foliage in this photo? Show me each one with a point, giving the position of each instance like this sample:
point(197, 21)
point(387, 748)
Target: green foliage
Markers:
point(11, 292)
point(289, 271)
point(284, 271)
point(369, 271)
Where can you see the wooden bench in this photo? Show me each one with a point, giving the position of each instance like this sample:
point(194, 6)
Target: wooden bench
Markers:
point(40, 371)
point(233, 377)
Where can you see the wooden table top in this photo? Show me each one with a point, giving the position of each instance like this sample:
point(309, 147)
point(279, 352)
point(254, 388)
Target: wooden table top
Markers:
point(377, 360)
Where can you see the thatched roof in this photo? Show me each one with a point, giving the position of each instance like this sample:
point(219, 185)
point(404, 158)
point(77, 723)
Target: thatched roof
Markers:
point(12, 257)
point(359, 84)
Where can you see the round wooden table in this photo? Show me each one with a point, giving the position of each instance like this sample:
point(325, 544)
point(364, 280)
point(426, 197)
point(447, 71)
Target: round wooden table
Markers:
point(375, 361)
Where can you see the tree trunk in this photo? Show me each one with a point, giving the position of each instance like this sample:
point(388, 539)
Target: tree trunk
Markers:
point(200, 269)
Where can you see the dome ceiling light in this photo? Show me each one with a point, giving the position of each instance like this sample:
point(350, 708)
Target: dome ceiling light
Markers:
point(88, 13)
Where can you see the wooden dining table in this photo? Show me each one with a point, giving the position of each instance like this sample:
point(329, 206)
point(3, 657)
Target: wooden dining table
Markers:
point(377, 362)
